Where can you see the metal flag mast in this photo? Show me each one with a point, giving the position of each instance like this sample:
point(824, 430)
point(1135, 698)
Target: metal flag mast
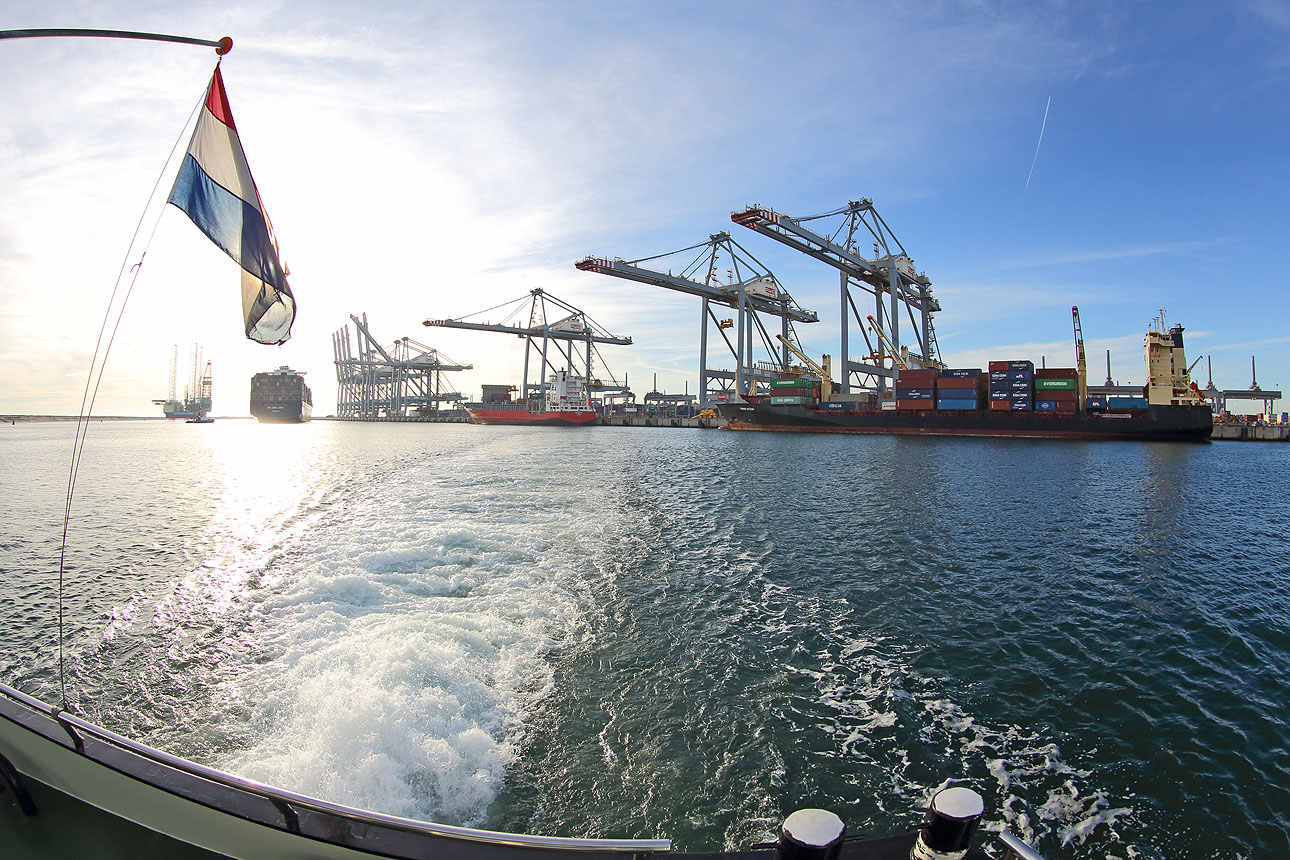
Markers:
point(222, 46)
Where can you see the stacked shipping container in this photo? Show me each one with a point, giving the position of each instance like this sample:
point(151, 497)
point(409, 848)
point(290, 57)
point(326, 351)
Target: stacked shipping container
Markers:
point(1056, 390)
point(794, 391)
point(1012, 386)
point(915, 389)
point(959, 388)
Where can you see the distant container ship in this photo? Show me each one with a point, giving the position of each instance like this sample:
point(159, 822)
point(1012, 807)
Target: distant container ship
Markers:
point(565, 403)
point(1009, 399)
point(281, 397)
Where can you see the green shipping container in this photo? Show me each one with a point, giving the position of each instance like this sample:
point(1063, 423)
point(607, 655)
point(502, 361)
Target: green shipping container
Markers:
point(791, 401)
point(792, 383)
point(1055, 385)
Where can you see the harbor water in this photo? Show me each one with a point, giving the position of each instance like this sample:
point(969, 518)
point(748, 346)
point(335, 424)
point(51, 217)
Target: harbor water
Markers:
point(631, 632)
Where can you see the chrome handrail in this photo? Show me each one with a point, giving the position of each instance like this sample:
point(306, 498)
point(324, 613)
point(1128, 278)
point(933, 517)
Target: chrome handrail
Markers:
point(1016, 848)
point(448, 831)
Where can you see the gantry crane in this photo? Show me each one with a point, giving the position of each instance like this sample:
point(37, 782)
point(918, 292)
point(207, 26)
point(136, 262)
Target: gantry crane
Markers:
point(553, 326)
point(750, 289)
point(890, 272)
point(378, 382)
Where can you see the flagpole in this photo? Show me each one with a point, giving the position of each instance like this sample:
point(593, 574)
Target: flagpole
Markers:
point(222, 47)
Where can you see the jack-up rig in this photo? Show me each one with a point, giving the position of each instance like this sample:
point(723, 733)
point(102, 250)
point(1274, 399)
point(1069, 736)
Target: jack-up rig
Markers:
point(749, 289)
point(556, 334)
point(406, 379)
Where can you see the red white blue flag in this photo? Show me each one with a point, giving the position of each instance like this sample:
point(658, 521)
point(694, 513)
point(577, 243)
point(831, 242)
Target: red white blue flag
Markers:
point(215, 188)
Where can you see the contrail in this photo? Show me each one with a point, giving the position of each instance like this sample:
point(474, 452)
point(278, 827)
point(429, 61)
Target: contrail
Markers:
point(1042, 126)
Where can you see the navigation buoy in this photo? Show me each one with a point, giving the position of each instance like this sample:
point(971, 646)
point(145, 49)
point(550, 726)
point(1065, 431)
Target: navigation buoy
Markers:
point(811, 834)
point(952, 819)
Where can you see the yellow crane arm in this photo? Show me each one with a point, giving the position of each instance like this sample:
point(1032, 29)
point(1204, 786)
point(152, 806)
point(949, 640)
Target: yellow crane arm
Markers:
point(826, 384)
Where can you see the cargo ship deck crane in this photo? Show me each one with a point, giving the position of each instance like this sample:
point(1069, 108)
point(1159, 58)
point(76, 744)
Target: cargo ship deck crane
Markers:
point(553, 328)
point(889, 274)
point(823, 369)
point(750, 289)
point(1081, 366)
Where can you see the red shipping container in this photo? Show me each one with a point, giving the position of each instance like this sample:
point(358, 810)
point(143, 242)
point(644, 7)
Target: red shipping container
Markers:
point(1056, 373)
point(1000, 406)
point(1065, 408)
point(1058, 395)
point(916, 378)
point(998, 365)
point(971, 382)
point(916, 404)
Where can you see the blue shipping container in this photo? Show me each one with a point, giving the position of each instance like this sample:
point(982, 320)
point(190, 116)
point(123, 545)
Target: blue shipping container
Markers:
point(957, 404)
point(1000, 395)
point(838, 405)
point(1016, 375)
point(914, 394)
point(1022, 365)
point(1045, 405)
point(1095, 403)
point(961, 373)
point(957, 394)
point(1021, 406)
point(1126, 402)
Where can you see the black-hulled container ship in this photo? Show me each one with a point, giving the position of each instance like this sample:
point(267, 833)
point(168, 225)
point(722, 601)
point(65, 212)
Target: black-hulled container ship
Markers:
point(281, 397)
point(1008, 399)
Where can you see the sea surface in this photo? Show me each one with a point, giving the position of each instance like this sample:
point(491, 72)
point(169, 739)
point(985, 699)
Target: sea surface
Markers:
point(677, 633)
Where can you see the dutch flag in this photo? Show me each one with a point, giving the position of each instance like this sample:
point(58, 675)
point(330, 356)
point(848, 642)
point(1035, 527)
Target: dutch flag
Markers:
point(215, 188)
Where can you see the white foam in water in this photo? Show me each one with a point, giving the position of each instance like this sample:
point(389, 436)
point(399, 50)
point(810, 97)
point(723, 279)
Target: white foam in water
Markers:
point(1024, 764)
point(402, 659)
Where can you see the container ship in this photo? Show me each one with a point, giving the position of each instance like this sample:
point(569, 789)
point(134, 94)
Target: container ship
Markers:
point(281, 397)
point(1009, 398)
point(564, 403)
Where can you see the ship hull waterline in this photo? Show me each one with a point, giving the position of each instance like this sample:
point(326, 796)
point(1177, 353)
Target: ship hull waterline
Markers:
point(1154, 424)
point(518, 418)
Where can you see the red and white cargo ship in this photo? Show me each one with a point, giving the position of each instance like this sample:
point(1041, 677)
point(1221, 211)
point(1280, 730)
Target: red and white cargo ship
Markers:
point(566, 402)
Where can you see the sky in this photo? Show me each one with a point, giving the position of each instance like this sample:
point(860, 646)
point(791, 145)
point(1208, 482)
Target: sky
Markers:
point(434, 159)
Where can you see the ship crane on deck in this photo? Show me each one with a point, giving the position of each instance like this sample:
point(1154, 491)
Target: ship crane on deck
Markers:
point(551, 331)
point(1081, 366)
point(750, 289)
point(889, 275)
point(824, 369)
point(901, 358)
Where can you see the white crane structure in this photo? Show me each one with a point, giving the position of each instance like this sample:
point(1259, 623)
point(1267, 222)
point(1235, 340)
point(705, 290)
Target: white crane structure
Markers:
point(888, 277)
point(376, 382)
point(749, 289)
point(558, 335)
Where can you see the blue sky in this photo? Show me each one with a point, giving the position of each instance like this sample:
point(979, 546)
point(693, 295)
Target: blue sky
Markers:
point(435, 159)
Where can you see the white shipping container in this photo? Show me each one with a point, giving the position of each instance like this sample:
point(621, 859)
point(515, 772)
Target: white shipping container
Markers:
point(763, 287)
